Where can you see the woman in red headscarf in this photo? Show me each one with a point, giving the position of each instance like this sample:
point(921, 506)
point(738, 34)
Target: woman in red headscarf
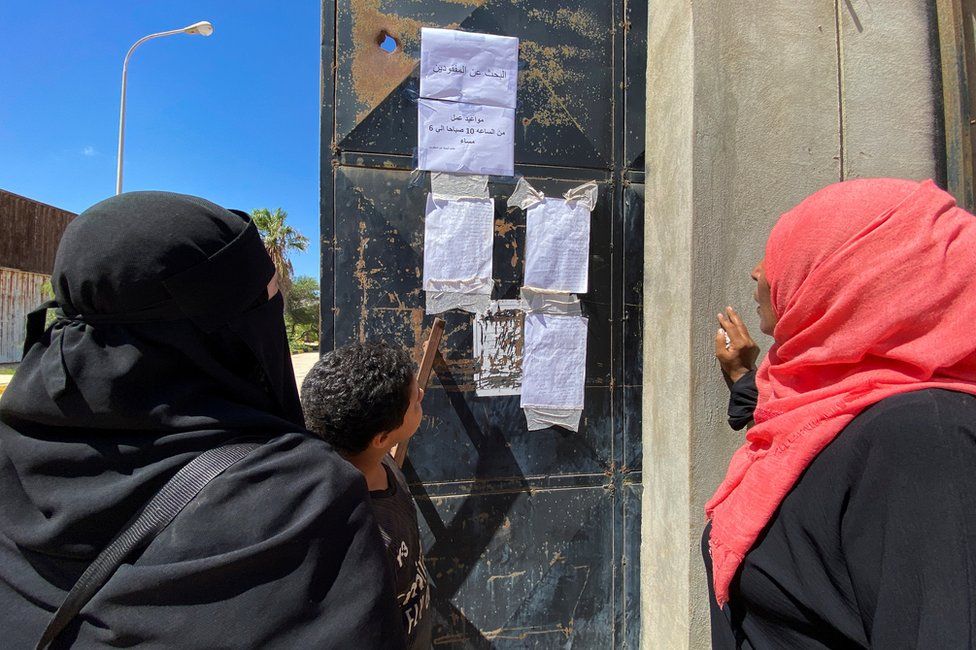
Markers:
point(848, 517)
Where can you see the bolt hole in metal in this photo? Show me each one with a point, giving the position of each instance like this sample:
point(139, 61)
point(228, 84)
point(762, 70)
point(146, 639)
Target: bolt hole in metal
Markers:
point(387, 43)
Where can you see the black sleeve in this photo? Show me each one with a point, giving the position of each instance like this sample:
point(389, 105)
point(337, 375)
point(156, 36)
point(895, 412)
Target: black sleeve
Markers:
point(909, 531)
point(742, 400)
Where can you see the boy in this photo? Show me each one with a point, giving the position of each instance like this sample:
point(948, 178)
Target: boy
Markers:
point(364, 399)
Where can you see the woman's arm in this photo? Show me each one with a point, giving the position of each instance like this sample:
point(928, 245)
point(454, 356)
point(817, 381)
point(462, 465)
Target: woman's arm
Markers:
point(737, 353)
point(742, 400)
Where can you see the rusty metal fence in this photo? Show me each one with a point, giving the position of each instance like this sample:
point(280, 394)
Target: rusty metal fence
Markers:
point(20, 292)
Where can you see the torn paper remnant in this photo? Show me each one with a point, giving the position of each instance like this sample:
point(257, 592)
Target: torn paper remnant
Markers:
point(497, 345)
point(557, 303)
point(525, 196)
point(586, 194)
point(441, 301)
point(458, 186)
point(539, 418)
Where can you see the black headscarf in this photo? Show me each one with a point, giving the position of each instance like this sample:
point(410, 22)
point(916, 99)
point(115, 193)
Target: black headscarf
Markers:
point(165, 344)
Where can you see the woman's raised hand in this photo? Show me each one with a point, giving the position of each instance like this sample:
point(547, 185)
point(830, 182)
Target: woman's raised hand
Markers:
point(734, 347)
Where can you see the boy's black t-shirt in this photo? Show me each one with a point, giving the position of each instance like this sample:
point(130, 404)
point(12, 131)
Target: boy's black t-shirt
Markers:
point(396, 515)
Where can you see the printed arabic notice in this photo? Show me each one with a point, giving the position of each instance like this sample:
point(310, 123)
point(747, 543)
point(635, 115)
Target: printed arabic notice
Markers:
point(554, 361)
point(468, 67)
point(557, 245)
point(465, 138)
point(458, 236)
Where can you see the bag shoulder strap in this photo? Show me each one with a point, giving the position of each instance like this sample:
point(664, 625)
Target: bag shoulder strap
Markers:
point(155, 516)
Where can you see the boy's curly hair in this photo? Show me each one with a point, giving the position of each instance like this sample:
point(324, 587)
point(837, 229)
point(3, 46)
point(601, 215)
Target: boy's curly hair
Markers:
point(357, 391)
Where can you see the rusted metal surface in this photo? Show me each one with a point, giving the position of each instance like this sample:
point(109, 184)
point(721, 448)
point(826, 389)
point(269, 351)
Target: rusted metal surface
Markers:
point(20, 293)
point(532, 537)
point(31, 232)
point(568, 78)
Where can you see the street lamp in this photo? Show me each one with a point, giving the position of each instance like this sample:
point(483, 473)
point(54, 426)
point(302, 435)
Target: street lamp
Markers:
point(203, 28)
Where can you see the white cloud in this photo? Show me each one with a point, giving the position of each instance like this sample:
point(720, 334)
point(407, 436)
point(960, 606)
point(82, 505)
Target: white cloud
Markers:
point(89, 151)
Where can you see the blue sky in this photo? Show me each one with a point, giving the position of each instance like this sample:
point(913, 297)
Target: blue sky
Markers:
point(232, 117)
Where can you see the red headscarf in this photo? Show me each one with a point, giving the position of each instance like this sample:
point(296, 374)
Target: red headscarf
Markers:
point(874, 284)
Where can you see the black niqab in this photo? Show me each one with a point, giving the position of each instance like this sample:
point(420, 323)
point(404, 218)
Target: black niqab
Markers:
point(165, 344)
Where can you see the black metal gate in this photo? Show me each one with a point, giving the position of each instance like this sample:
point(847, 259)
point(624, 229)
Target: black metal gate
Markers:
point(532, 538)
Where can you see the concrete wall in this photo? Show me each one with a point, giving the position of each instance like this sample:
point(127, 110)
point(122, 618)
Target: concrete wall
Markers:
point(751, 106)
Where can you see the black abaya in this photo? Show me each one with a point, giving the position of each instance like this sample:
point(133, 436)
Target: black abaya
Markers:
point(166, 345)
point(875, 546)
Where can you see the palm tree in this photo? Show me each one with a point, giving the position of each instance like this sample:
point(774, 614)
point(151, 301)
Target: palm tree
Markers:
point(279, 240)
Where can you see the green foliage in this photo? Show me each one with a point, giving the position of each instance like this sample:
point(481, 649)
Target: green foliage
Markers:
point(302, 313)
point(301, 294)
point(47, 293)
point(280, 240)
point(303, 302)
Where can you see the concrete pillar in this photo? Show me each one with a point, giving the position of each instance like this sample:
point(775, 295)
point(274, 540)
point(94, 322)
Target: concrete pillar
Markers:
point(891, 96)
point(751, 106)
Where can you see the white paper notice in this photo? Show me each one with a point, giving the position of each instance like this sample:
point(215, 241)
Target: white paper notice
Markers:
point(557, 246)
point(466, 67)
point(554, 361)
point(458, 236)
point(465, 138)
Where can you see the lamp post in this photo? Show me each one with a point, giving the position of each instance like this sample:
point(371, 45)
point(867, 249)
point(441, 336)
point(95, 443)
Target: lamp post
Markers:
point(203, 28)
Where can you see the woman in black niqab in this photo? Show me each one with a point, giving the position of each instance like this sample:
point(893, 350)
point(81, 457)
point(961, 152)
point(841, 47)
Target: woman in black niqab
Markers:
point(166, 343)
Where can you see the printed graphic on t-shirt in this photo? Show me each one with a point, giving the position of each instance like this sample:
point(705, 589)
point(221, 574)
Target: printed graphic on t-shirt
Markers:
point(396, 515)
point(415, 601)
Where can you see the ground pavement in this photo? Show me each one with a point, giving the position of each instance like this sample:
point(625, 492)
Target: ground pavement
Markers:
point(302, 364)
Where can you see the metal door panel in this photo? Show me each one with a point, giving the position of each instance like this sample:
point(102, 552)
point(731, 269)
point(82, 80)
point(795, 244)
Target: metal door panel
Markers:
point(566, 77)
point(635, 82)
point(528, 569)
point(532, 536)
point(630, 566)
point(378, 253)
point(632, 325)
point(378, 289)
